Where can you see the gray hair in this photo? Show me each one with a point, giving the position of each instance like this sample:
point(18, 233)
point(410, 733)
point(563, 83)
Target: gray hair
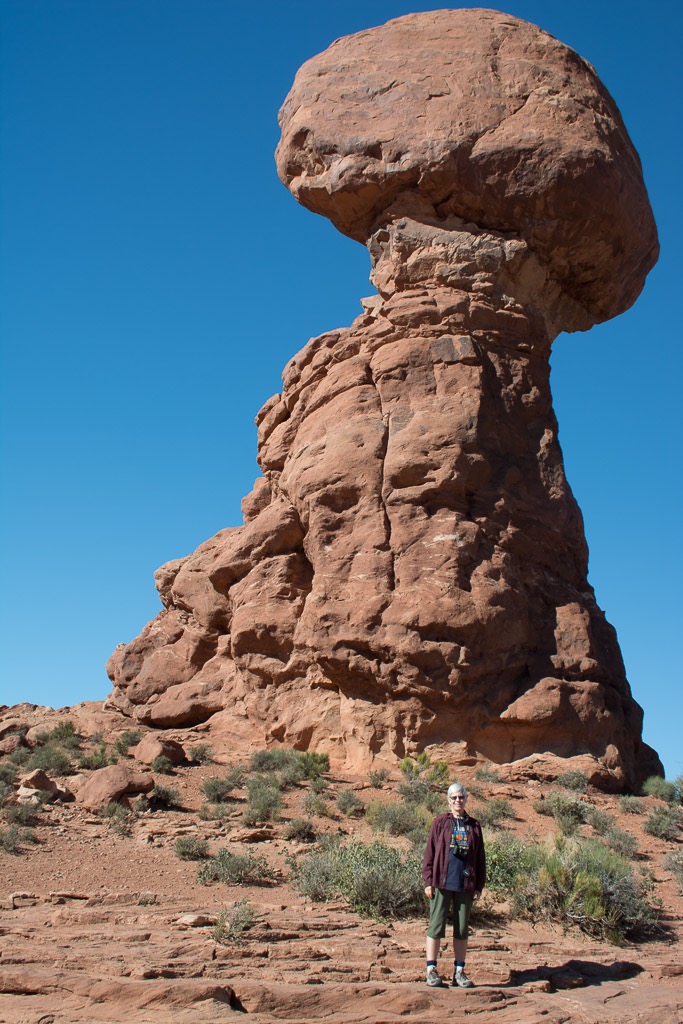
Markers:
point(456, 787)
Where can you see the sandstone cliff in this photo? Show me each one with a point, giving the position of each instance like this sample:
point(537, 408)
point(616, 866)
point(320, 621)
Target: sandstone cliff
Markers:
point(412, 569)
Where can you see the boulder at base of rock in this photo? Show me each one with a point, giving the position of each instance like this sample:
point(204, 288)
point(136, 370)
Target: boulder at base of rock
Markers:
point(108, 784)
point(150, 747)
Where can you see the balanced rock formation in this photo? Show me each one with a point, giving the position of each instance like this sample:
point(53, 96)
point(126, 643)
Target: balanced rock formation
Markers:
point(412, 568)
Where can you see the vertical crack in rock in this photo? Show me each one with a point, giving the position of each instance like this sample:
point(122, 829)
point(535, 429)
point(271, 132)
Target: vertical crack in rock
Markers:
point(411, 571)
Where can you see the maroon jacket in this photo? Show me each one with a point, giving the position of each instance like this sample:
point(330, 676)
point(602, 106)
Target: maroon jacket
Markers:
point(435, 860)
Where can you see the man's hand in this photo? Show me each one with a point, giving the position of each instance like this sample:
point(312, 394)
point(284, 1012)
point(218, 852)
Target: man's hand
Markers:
point(429, 892)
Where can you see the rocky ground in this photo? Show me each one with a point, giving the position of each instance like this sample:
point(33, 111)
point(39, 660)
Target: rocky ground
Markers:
point(100, 921)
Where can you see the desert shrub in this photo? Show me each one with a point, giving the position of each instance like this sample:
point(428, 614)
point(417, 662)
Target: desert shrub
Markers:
point(314, 764)
point(51, 759)
point(659, 788)
point(164, 796)
point(412, 768)
point(21, 814)
point(129, 738)
point(487, 773)
point(66, 735)
point(574, 779)
point(21, 756)
point(142, 804)
point(414, 790)
point(201, 754)
point(397, 819)
point(100, 757)
point(264, 801)
point(236, 869)
point(621, 842)
point(233, 923)
point(599, 820)
point(319, 784)
point(300, 829)
point(162, 765)
point(568, 812)
point(291, 775)
point(494, 812)
point(272, 760)
point(673, 862)
point(213, 812)
point(118, 817)
point(436, 802)
point(349, 802)
point(631, 805)
point(508, 860)
point(10, 839)
point(317, 805)
point(376, 880)
point(664, 823)
point(216, 790)
point(378, 777)
point(191, 848)
point(438, 773)
point(8, 772)
point(582, 882)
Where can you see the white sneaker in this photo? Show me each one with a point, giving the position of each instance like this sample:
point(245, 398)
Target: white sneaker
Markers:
point(460, 978)
point(433, 977)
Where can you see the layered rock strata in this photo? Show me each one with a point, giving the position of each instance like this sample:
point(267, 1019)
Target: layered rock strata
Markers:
point(412, 568)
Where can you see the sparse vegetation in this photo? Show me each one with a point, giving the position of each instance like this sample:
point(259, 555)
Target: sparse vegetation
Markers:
point(162, 765)
point(201, 754)
point(100, 757)
point(632, 805)
point(164, 796)
point(575, 780)
point(376, 880)
point(264, 801)
point(660, 788)
point(233, 923)
point(52, 759)
point(26, 815)
point(397, 819)
point(378, 777)
point(236, 869)
point(66, 735)
point(568, 811)
point(300, 829)
point(213, 812)
point(217, 791)
point(673, 862)
point(119, 818)
point(10, 839)
point(129, 738)
point(191, 848)
point(494, 812)
point(317, 805)
point(349, 803)
point(487, 773)
point(8, 772)
point(664, 823)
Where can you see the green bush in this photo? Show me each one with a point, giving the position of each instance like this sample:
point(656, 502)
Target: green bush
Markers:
point(236, 869)
point(582, 882)
point(576, 780)
point(317, 805)
point(494, 812)
point(660, 788)
point(21, 814)
point(300, 829)
point(272, 760)
point(599, 820)
point(508, 860)
point(436, 803)
point(51, 759)
point(568, 812)
point(214, 812)
point(8, 772)
point(319, 784)
point(378, 777)
point(98, 758)
point(217, 791)
point(631, 805)
point(621, 842)
point(664, 823)
point(349, 802)
point(291, 775)
point(376, 880)
point(10, 839)
point(673, 862)
point(414, 790)
point(264, 801)
point(191, 848)
point(201, 754)
point(20, 756)
point(233, 923)
point(162, 765)
point(397, 819)
point(66, 735)
point(165, 796)
point(438, 774)
point(129, 738)
point(118, 817)
point(314, 764)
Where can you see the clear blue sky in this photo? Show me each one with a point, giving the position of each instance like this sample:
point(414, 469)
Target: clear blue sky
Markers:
point(155, 278)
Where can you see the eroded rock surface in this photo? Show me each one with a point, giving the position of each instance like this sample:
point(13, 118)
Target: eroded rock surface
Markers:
point(412, 569)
